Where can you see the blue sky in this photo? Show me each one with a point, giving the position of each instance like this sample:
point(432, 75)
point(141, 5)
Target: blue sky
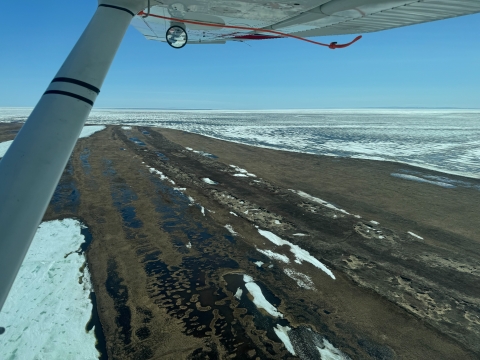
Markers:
point(428, 65)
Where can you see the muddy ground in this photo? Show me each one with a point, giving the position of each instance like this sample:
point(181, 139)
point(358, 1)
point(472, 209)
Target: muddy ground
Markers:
point(165, 268)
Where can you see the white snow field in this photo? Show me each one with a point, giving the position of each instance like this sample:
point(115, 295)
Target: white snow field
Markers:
point(48, 306)
point(86, 132)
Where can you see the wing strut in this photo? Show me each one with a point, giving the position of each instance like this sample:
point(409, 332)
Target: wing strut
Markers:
point(31, 168)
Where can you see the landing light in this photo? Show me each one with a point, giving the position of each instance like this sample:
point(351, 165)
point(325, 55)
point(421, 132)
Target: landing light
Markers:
point(176, 37)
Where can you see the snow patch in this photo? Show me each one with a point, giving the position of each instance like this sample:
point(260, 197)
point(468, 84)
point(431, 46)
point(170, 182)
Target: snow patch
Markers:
point(230, 229)
point(303, 281)
point(374, 222)
point(300, 234)
point(189, 245)
point(282, 333)
point(415, 235)
point(258, 298)
point(239, 293)
point(419, 179)
point(259, 263)
point(275, 256)
point(209, 181)
point(242, 172)
point(330, 352)
point(157, 172)
point(126, 127)
point(300, 254)
point(47, 309)
point(319, 201)
point(231, 212)
point(90, 130)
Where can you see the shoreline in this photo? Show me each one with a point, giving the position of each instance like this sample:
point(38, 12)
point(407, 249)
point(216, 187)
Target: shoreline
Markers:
point(428, 167)
point(361, 157)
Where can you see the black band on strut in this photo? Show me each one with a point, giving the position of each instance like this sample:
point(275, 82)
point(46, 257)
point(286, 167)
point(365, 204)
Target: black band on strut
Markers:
point(77, 82)
point(66, 93)
point(118, 8)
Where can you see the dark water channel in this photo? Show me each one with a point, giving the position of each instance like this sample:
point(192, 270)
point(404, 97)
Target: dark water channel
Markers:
point(123, 197)
point(191, 291)
point(66, 197)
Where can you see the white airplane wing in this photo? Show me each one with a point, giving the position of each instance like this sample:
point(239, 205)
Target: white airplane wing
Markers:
point(220, 21)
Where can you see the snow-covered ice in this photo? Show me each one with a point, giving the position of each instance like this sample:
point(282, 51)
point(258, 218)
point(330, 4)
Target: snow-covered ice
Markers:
point(209, 181)
point(442, 140)
point(300, 254)
point(90, 130)
point(274, 255)
point(282, 333)
point(319, 201)
point(4, 147)
point(415, 235)
point(47, 309)
point(258, 298)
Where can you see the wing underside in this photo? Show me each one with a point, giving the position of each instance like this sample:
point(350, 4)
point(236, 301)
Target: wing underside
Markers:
point(215, 22)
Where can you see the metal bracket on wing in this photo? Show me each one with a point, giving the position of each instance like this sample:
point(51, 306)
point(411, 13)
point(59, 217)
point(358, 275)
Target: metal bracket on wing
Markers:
point(148, 11)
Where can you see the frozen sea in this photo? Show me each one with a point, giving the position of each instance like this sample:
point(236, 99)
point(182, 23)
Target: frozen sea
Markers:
point(443, 140)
